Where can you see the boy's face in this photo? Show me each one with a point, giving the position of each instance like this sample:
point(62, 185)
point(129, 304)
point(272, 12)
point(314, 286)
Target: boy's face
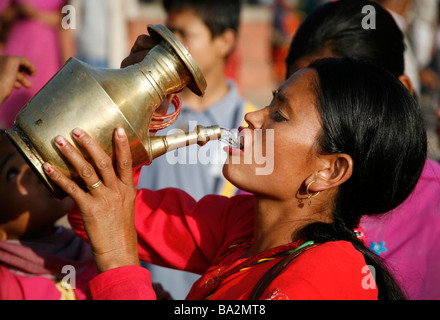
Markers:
point(197, 38)
point(26, 206)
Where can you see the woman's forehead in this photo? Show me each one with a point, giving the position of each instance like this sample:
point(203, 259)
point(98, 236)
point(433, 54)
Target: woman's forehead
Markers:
point(299, 92)
point(302, 80)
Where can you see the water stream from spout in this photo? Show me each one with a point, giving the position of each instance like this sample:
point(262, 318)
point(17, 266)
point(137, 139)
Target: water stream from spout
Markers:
point(231, 138)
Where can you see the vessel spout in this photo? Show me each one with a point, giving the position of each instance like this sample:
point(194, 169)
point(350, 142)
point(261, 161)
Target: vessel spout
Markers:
point(201, 135)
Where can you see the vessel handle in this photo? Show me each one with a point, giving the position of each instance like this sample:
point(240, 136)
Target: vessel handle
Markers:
point(173, 116)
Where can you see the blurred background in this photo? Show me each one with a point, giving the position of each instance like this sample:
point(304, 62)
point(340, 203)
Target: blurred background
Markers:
point(257, 65)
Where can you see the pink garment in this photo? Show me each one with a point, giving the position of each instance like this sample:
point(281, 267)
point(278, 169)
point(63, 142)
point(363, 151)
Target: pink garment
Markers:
point(30, 269)
point(39, 43)
point(408, 238)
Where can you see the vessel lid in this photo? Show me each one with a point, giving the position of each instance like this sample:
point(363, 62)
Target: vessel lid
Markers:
point(159, 32)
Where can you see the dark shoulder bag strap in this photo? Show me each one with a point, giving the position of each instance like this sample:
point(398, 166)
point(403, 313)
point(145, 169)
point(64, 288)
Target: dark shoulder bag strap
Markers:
point(273, 272)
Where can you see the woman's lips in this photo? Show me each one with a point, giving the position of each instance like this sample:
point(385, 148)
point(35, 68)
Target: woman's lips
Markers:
point(241, 132)
point(230, 150)
point(241, 138)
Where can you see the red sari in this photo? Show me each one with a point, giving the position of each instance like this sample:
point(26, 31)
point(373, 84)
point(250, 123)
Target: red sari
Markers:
point(177, 232)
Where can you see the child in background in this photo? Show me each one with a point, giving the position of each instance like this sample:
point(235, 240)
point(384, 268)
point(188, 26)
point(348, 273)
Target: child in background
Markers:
point(33, 251)
point(209, 29)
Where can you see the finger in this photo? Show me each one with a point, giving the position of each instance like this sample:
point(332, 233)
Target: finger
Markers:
point(76, 159)
point(23, 80)
point(67, 185)
point(27, 66)
point(124, 162)
point(102, 161)
point(134, 58)
point(140, 49)
point(143, 42)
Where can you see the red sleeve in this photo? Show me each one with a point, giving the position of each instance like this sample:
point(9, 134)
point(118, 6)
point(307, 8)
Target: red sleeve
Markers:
point(123, 283)
point(177, 232)
point(333, 270)
point(74, 216)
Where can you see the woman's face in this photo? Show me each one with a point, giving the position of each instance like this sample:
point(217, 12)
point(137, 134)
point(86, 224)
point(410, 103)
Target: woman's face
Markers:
point(26, 206)
point(289, 128)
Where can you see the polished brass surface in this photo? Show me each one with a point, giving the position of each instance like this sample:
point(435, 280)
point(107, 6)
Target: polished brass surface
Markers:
point(98, 100)
point(163, 144)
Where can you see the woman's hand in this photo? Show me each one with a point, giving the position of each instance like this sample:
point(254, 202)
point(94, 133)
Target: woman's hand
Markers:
point(107, 209)
point(140, 49)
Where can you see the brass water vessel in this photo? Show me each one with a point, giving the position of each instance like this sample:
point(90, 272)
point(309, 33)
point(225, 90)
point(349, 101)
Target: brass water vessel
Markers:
point(98, 100)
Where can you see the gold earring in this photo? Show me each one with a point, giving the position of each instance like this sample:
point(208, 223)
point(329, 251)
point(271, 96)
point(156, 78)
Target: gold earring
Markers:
point(309, 195)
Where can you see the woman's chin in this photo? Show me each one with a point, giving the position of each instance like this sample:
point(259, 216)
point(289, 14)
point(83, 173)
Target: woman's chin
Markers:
point(236, 175)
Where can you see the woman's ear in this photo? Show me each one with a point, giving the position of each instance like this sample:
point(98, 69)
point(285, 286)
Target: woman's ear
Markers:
point(335, 170)
point(406, 81)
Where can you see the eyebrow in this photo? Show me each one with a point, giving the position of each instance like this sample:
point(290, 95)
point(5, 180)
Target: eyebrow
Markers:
point(281, 96)
point(5, 161)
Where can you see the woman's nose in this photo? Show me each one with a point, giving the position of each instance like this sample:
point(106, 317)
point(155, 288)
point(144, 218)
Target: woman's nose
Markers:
point(255, 119)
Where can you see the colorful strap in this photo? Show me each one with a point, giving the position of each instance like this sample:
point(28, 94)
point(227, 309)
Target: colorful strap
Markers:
point(273, 272)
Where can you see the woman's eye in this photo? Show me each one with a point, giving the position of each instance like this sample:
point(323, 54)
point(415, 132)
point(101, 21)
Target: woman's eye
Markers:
point(11, 174)
point(278, 117)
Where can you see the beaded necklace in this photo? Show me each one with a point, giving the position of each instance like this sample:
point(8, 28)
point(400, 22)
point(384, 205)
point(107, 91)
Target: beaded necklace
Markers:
point(262, 257)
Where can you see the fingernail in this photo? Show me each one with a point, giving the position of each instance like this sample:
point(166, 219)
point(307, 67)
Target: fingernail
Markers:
point(77, 132)
point(47, 167)
point(59, 140)
point(120, 132)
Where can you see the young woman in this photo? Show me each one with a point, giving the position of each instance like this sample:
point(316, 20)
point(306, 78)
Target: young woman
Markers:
point(349, 141)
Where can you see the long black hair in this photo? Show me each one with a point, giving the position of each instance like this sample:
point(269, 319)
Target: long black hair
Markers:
point(368, 114)
point(337, 26)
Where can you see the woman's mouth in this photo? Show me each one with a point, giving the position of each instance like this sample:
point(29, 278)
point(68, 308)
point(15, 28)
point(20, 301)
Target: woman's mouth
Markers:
point(237, 147)
point(240, 137)
point(234, 139)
